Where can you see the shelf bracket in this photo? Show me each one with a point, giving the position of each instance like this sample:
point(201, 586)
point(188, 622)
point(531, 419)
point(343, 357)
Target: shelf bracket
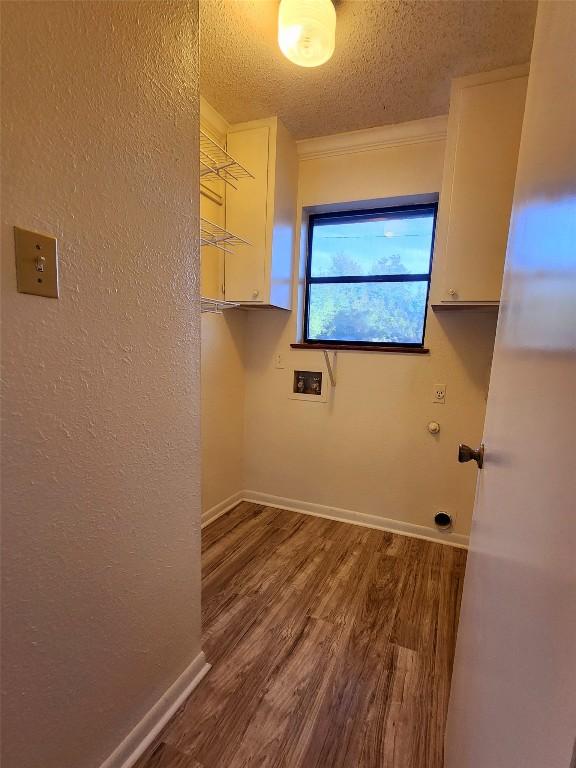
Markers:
point(330, 365)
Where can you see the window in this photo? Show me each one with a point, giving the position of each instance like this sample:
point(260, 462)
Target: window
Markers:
point(368, 276)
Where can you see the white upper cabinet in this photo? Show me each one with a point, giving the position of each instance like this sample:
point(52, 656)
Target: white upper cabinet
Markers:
point(484, 128)
point(262, 211)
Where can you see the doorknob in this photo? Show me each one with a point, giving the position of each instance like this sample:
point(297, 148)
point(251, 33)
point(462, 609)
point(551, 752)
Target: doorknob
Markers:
point(465, 453)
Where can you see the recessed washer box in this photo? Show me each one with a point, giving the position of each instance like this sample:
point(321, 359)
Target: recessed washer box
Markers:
point(309, 385)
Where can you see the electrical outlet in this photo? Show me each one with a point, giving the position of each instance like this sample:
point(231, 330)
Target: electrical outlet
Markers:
point(439, 394)
point(279, 361)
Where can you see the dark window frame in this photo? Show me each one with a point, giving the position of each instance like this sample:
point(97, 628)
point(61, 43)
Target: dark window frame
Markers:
point(365, 214)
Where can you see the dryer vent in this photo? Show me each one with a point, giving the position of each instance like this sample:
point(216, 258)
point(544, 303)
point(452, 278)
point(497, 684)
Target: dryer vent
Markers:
point(443, 521)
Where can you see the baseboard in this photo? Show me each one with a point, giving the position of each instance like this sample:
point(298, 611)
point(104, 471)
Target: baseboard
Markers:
point(140, 737)
point(358, 518)
point(221, 508)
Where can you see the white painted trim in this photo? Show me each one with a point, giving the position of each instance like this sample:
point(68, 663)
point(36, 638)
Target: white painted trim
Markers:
point(492, 76)
point(358, 518)
point(140, 737)
point(413, 132)
point(221, 508)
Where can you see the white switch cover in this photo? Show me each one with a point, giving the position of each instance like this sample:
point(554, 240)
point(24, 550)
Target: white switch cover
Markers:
point(439, 394)
point(36, 263)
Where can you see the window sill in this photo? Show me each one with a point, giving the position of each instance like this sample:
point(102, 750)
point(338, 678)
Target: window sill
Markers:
point(363, 348)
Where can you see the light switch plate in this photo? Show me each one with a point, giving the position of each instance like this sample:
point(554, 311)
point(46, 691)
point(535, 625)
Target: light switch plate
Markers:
point(36, 263)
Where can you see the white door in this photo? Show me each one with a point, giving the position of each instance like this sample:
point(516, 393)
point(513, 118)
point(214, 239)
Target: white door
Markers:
point(247, 215)
point(513, 702)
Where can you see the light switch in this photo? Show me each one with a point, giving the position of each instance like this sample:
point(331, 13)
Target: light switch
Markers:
point(36, 263)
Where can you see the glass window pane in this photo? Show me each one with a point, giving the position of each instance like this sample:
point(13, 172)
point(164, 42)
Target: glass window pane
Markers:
point(378, 312)
point(389, 244)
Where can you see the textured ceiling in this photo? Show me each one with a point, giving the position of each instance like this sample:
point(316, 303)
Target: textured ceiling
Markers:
point(393, 62)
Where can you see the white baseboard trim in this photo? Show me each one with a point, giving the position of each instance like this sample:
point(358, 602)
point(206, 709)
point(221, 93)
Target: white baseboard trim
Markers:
point(221, 508)
point(140, 737)
point(358, 518)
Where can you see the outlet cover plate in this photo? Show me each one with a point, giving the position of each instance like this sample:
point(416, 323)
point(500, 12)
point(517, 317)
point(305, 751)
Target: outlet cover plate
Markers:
point(439, 394)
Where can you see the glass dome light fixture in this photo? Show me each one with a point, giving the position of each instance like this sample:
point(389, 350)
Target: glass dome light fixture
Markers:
point(307, 31)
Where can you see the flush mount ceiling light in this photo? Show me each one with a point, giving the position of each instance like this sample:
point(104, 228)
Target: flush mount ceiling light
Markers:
point(307, 31)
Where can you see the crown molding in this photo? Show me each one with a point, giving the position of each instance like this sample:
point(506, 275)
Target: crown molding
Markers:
point(492, 76)
point(371, 139)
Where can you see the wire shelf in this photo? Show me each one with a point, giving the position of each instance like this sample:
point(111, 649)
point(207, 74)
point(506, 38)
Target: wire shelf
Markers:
point(216, 306)
point(216, 163)
point(213, 234)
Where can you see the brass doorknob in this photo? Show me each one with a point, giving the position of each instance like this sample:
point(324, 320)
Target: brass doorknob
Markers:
point(465, 453)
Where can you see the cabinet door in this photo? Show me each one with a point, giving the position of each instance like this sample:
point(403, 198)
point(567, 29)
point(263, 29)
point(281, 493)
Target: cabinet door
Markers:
point(486, 152)
point(246, 216)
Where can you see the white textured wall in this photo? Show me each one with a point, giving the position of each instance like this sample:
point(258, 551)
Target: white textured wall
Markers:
point(368, 450)
point(101, 442)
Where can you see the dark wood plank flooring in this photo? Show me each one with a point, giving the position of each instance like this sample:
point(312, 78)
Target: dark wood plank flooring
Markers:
point(331, 647)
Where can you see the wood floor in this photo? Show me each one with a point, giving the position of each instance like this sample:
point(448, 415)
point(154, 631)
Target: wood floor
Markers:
point(331, 647)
